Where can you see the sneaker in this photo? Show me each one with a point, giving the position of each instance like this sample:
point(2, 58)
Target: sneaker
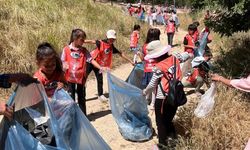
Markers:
point(102, 98)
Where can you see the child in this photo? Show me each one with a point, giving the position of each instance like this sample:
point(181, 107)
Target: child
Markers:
point(170, 29)
point(50, 72)
point(134, 40)
point(75, 58)
point(176, 20)
point(152, 35)
point(103, 55)
point(198, 75)
point(163, 71)
point(196, 33)
point(154, 15)
point(189, 41)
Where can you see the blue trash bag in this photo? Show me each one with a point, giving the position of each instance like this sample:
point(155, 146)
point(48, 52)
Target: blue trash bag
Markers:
point(136, 76)
point(129, 109)
point(202, 44)
point(69, 126)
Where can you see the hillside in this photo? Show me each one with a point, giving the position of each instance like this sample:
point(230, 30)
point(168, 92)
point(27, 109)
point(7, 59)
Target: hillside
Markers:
point(24, 24)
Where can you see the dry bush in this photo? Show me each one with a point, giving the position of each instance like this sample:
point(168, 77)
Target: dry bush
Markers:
point(227, 126)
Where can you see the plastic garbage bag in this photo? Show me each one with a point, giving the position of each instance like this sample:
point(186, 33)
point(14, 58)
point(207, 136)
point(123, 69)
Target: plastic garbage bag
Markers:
point(129, 109)
point(68, 126)
point(136, 76)
point(206, 103)
point(202, 44)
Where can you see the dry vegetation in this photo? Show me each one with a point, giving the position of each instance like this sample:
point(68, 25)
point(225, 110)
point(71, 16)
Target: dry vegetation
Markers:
point(227, 126)
point(26, 23)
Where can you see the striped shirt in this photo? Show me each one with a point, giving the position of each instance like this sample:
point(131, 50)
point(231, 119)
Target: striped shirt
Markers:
point(154, 84)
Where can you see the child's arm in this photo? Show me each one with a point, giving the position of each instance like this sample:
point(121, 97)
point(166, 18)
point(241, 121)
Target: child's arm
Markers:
point(126, 58)
point(90, 41)
point(189, 46)
point(95, 64)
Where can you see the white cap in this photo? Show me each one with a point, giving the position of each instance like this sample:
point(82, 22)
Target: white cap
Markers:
point(111, 34)
point(197, 61)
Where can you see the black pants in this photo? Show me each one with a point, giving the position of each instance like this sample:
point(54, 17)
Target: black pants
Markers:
point(81, 94)
point(170, 38)
point(164, 122)
point(99, 78)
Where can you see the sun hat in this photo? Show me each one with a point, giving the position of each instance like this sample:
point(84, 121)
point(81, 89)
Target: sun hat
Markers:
point(111, 34)
point(197, 61)
point(156, 49)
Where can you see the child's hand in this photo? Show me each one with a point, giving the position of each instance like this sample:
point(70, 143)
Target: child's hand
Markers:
point(60, 85)
point(65, 66)
point(144, 92)
point(6, 111)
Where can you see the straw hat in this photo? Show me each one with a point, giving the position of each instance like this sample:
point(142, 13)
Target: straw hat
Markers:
point(156, 49)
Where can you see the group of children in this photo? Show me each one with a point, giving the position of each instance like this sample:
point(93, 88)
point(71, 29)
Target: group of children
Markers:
point(76, 62)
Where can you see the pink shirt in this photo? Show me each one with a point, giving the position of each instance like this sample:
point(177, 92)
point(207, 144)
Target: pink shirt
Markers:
point(241, 84)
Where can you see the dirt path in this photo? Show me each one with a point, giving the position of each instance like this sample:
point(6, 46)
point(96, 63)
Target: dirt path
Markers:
point(100, 114)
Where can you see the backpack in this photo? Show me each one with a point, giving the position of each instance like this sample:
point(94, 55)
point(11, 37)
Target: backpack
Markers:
point(176, 95)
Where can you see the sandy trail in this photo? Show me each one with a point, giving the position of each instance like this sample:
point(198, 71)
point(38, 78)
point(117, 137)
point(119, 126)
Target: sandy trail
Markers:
point(100, 115)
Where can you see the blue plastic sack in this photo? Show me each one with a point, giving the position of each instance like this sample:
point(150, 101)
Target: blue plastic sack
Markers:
point(136, 76)
point(70, 128)
point(129, 109)
point(202, 44)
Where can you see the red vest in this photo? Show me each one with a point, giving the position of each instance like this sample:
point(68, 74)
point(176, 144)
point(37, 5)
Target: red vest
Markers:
point(165, 65)
point(134, 39)
point(56, 77)
point(196, 36)
point(76, 73)
point(196, 72)
point(190, 40)
point(149, 64)
point(103, 56)
point(170, 27)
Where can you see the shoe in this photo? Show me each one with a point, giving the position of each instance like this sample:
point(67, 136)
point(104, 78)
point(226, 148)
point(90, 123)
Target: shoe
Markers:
point(102, 98)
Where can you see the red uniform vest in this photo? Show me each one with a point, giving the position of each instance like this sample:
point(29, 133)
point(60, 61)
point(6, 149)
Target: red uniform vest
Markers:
point(165, 66)
point(134, 37)
point(170, 27)
point(196, 72)
point(103, 56)
point(196, 36)
point(190, 40)
point(56, 77)
point(76, 59)
point(149, 64)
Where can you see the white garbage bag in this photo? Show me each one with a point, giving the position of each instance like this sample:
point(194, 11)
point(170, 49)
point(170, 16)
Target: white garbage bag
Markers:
point(206, 103)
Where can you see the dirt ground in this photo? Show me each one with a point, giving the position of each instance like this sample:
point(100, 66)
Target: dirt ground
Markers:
point(100, 114)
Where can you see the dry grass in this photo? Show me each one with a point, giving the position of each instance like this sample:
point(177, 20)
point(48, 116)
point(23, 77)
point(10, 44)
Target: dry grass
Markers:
point(26, 23)
point(227, 126)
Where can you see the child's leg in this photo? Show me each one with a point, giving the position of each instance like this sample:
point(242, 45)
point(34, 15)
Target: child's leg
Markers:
point(81, 97)
point(160, 123)
point(72, 90)
point(199, 83)
point(99, 78)
point(168, 34)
